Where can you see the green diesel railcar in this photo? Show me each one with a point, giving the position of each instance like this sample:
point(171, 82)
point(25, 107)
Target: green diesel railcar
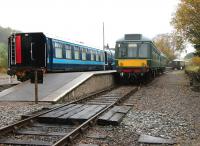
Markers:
point(136, 56)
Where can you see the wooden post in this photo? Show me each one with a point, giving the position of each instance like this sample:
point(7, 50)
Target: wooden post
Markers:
point(104, 66)
point(36, 87)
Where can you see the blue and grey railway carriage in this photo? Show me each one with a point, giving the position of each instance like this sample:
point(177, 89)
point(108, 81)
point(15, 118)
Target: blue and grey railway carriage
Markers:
point(33, 50)
point(138, 58)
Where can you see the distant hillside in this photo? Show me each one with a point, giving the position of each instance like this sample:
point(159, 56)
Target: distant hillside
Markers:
point(5, 33)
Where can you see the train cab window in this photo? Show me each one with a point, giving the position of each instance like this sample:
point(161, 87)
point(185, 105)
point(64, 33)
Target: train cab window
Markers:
point(58, 50)
point(132, 50)
point(92, 55)
point(76, 53)
point(83, 54)
point(144, 50)
point(68, 51)
point(122, 51)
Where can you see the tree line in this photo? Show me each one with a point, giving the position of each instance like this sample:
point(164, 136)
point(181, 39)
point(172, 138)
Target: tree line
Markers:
point(186, 23)
point(4, 34)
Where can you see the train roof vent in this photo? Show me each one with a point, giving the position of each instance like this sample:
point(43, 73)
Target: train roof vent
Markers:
point(133, 36)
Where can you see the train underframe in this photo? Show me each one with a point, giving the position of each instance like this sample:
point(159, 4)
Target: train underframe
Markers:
point(22, 74)
point(139, 75)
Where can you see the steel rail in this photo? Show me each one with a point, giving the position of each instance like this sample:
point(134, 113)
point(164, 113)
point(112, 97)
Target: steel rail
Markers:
point(67, 139)
point(15, 126)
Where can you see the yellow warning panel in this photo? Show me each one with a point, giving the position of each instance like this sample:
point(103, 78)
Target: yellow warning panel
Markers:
point(132, 62)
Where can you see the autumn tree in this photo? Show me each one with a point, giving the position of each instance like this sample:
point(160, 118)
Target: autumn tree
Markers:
point(186, 21)
point(169, 44)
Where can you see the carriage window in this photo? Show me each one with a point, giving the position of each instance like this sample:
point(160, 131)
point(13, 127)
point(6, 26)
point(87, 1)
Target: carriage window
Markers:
point(102, 57)
point(83, 54)
point(132, 50)
point(76, 53)
point(154, 56)
point(68, 51)
point(97, 56)
point(92, 55)
point(58, 50)
point(143, 50)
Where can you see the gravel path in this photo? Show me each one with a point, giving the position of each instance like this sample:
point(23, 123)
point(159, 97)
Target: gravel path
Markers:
point(166, 107)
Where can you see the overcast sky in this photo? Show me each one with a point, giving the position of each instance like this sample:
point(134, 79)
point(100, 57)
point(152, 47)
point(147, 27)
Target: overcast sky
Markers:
point(82, 20)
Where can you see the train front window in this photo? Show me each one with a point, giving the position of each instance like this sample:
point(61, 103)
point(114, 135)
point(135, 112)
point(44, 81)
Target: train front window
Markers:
point(132, 50)
point(122, 51)
point(143, 50)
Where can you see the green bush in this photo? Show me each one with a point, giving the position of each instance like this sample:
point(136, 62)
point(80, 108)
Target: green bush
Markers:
point(3, 56)
point(192, 69)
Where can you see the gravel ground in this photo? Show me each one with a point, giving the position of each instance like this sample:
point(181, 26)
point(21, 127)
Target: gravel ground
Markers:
point(11, 112)
point(166, 107)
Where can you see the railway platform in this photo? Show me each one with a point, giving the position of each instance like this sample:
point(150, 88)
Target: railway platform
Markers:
point(60, 86)
point(6, 80)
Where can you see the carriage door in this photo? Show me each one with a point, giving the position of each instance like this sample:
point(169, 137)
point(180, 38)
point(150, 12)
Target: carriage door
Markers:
point(38, 50)
point(106, 58)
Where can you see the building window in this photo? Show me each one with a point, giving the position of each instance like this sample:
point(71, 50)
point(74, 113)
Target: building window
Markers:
point(58, 50)
point(76, 53)
point(83, 54)
point(68, 51)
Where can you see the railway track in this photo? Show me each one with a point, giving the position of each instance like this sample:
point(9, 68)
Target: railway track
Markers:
point(60, 125)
